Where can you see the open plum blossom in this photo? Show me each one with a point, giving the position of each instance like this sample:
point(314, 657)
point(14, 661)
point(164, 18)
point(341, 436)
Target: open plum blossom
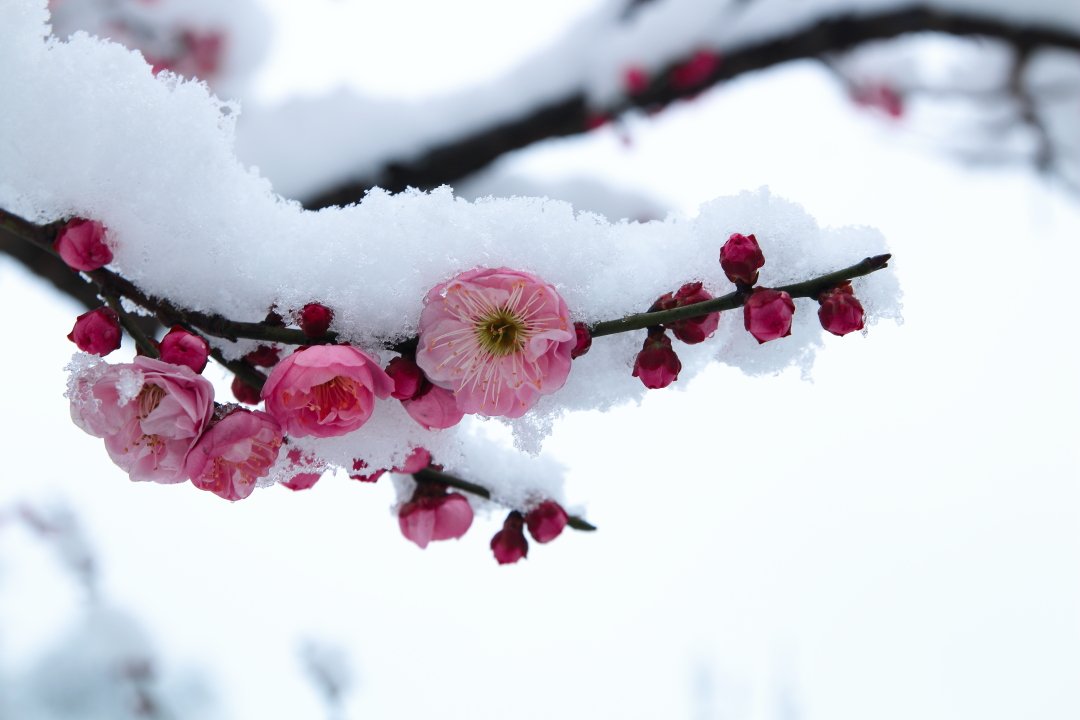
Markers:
point(325, 390)
point(234, 453)
point(434, 514)
point(497, 339)
point(149, 412)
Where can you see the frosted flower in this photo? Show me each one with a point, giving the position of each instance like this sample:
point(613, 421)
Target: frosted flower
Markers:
point(767, 314)
point(97, 332)
point(181, 347)
point(234, 453)
point(325, 390)
point(149, 434)
point(497, 339)
point(546, 521)
point(434, 514)
point(509, 544)
point(840, 312)
point(81, 244)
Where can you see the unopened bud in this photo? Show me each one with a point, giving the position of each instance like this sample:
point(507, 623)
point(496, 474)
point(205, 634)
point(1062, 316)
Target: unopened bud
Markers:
point(546, 521)
point(840, 312)
point(81, 244)
point(509, 544)
point(584, 340)
point(767, 314)
point(657, 365)
point(264, 356)
point(315, 320)
point(247, 394)
point(97, 331)
point(741, 257)
point(407, 376)
point(181, 347)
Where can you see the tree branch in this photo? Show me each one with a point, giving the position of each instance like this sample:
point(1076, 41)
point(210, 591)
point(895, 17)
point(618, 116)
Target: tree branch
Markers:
point(571, 115)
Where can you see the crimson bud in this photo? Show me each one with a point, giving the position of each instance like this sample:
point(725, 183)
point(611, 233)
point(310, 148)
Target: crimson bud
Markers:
point(181, 347)
point(315, 319)
point(509, 544)
point(692, 330)
point(81, 244)
point(247, 394)
point(264, 356)
point(97, 331)
point(584, 340)
point(407, 376)
point(740, 257)
point(840, 312)
point(657, 365)
point(546, 521)
point(767, 314)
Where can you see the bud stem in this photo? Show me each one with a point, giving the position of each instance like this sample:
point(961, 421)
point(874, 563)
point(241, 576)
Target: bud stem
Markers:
point(132, 329)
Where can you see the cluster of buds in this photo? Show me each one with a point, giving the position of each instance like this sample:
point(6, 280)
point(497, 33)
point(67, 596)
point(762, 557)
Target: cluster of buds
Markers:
point(545, 523)
point(767, 313)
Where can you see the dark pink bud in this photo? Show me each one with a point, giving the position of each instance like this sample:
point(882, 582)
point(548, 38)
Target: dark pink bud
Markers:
point(636, 80)
point(97, 332)
point(407, 376)
point(181, 347)
point(692, 330)
point(81, 244)
point(596, 120)
point(584, 341)
point(247, 394)
point(315, 320)
point(767, 314)
point(434, 407)
point(840, 312)
point(434, 514)
point(657, 365)
point(263, 356)
point(695, 71)
point(301, 481)
point(509, 544)
point(361, 465)
point(740, 258)
point(546, 521)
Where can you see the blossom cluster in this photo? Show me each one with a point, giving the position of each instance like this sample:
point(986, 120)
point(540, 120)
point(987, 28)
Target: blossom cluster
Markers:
point(491, 342)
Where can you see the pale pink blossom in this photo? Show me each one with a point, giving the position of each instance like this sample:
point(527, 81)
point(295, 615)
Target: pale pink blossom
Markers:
point(150, 414)
point(234, 453)
point(97, 332)
point(498, 339)
point(81, 244)
point(325, 390)
point(434, 514)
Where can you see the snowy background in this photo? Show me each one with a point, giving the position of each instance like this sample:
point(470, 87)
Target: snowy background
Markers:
point(897, 538)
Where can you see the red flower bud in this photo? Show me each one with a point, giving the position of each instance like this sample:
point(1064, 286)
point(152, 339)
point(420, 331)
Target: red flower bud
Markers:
point(840, 312)
point(740, 258)
point(584, 341)
point(97, 331)
point(263, 356)
point(767, 314)
point(360, 465)
point(692, 330)
point(407, 376)
point(81, 244)
point(315, 319)
point(180, 347)
point(509, 544)
point(434, 514)
point(636, 80)
point(247, 394)
point(657, 365)
point(695, 71)
point(546, 521)
point(596, 120)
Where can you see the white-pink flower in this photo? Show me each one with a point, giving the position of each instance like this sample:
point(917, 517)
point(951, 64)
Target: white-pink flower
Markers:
point(498, 339)
point(150, 413)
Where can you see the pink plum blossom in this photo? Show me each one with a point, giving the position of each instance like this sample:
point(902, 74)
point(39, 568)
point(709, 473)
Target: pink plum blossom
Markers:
point(81, 244)
point(546, 521)
point(150, 414)
point(657, 365)
point(315, 320)
point(840, 312)
point(498, 339)
point(741, 258)
point(434, 408)
point(434, 514)
point(181, 347)
point(509, 544)
point(97, 332)
point(692, 330)
point(234, 453)
point(325, 390)
point(767, 314)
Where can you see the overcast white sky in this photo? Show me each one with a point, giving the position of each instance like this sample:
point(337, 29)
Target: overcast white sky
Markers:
point(899, 538)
